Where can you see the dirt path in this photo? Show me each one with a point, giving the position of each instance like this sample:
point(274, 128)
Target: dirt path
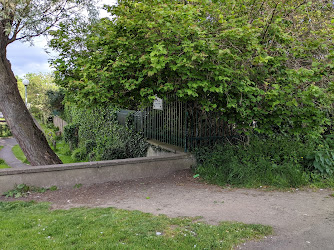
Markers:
point(301, 219)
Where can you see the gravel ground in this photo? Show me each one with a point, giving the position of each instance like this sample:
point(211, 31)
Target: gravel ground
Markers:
point(302, 219)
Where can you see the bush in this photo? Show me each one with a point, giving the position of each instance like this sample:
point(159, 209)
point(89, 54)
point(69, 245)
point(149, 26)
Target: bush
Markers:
point(79, 154)
point(322, 159)
point(89, 146)
point(71, 135)
point(100, 137)
point(270, 161)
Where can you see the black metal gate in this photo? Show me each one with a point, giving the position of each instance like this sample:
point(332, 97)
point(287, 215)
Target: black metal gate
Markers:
point(182, 124)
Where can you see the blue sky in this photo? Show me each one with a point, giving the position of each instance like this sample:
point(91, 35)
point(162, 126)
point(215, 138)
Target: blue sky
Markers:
point(28, 59)
point(33, 59)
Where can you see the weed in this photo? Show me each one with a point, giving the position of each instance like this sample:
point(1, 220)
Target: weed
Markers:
point(79, 185)
point(23, 190)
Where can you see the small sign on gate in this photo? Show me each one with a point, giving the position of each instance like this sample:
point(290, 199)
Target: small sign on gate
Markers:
point(157, 103)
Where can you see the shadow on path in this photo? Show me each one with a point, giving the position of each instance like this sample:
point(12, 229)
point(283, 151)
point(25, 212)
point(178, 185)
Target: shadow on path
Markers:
point(7, 154)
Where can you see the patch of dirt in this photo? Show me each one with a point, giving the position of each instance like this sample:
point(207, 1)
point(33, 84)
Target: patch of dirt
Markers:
point(301, 219)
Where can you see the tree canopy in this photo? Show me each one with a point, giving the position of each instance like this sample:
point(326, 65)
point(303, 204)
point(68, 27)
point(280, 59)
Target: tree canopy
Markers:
point(264, 61)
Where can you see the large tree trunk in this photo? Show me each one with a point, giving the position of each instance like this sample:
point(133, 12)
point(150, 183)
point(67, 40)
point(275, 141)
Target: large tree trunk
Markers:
point(30, 138)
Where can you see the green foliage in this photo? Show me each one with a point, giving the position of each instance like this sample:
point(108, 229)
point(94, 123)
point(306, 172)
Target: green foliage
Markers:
point(23, 190)
point(39, 85)
point(270, 161)
point(55, 100)
point(71, 135)
point(110, 228)
point(251, 60)
point(322, 160)
point(3, 164)
point(4, 130)
point(100, 137)
point(79, 154)
point(20, 190)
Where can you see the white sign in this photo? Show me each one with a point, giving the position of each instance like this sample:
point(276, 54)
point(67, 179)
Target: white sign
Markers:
point(157, 103)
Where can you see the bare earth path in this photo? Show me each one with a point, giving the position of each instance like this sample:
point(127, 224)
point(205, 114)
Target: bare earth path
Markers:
point(301, 219)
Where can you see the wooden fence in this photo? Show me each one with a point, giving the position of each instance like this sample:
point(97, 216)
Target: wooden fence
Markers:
point(60, 123)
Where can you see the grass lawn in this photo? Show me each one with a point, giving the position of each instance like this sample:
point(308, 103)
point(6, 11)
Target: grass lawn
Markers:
point(17, 151)
point(3, 164)
point(62, 152)
point(29, 225)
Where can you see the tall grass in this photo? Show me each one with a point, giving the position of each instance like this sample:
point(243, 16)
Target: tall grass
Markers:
point(273, 161)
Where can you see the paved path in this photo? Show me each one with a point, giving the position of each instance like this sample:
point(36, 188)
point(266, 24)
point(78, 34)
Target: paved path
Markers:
point(7, 154)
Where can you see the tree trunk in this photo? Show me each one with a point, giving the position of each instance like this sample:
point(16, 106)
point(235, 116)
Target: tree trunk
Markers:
point(30, 138)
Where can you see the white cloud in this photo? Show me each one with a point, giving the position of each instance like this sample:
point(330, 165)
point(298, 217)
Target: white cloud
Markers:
point(28, 59)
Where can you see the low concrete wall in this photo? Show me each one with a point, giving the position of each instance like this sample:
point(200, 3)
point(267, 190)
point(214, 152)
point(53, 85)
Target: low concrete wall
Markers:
point(64, 175)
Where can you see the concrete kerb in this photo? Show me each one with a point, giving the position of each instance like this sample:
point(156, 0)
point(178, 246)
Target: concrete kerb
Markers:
point(64, 175)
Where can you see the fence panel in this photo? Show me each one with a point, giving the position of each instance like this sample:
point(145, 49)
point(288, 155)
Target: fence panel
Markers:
point(183, 124)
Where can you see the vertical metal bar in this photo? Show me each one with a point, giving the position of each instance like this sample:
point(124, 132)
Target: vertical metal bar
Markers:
point(185, 129)
point(175, 122)
point(180, 133)
point(161, 126)
point(169, 124)
point(165, 123)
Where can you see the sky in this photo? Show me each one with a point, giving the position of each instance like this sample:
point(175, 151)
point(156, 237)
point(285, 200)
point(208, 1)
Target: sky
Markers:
point(26, 58)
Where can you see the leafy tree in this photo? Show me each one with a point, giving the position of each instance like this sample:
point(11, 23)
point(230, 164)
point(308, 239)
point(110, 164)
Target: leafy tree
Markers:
point(264, 61)
point(39, 85)
point(24, 20)
point(55, 100)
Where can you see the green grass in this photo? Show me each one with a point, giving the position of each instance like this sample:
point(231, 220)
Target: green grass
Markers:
point(3, 164)
point(274, 162)
point(62, 152)
point(17, 151)
point(27, 225)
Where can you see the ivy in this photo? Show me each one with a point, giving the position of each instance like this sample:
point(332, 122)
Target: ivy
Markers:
point(99, 136)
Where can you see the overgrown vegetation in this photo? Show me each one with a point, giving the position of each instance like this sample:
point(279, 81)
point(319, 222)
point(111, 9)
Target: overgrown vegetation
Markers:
point(95, 134)
point(268, 62)
point(269, 161)
point(109, 228)
point(23, 190)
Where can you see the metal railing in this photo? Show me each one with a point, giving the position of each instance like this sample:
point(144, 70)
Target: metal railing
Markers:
point(182, 124)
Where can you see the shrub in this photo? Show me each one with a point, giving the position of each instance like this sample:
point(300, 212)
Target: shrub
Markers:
point(322, 159)
point(89, 146)
point(79, 154)
point(71, 134)
point(100, 136)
